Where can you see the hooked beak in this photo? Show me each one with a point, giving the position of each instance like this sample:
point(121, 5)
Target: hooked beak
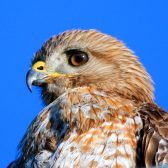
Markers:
point(35, 78)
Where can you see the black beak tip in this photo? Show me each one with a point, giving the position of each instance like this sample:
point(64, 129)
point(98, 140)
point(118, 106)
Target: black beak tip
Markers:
point(30, 88)
point(29, 80)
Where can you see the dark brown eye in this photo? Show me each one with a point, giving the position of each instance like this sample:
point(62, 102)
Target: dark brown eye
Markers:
point(77, 58)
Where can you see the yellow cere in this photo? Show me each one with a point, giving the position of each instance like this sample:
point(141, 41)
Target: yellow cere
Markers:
point(39, 66)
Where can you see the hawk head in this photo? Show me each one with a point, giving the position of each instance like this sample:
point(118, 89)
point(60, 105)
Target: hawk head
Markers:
point(87, 57)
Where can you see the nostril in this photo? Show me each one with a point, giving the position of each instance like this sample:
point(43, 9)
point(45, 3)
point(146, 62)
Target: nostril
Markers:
point(40, 68)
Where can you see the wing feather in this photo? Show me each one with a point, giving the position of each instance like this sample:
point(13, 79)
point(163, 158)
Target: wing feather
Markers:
point(41, 138)
point(155, 134)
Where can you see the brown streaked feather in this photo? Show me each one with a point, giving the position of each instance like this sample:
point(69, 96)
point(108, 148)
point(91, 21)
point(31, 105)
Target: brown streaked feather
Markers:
point(42, 138)
point(155, 134)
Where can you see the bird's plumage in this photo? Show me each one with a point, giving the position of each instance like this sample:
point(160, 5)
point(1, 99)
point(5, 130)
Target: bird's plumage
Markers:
point(100, 110)
point(155, 134)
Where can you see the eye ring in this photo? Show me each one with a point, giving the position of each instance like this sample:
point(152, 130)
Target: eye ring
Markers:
point(78, 58)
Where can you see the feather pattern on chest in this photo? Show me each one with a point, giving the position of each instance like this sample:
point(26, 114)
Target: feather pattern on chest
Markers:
point(85, 127)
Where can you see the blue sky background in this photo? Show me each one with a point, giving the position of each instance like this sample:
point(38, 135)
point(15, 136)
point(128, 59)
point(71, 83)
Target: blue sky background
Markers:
point(25, 25)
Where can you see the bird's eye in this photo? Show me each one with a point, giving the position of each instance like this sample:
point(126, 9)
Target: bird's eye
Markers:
point(77, 58)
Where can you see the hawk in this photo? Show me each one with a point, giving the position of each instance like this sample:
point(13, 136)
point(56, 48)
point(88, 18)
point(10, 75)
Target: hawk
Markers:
point(99, 112)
